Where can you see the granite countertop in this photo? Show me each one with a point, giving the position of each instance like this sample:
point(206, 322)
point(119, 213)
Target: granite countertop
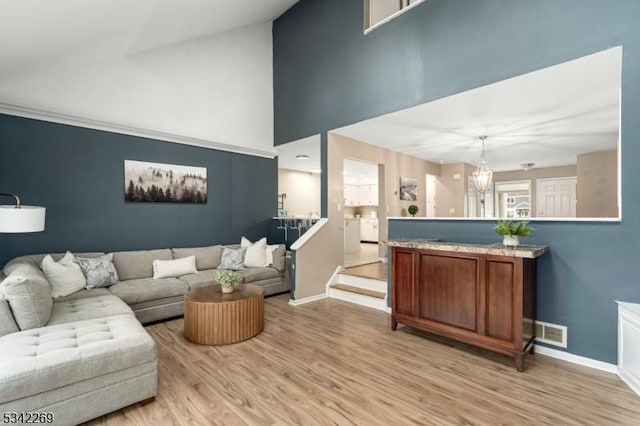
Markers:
point(523, 250)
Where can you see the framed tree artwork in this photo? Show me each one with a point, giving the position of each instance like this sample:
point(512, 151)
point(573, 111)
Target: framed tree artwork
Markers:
point(146, 182)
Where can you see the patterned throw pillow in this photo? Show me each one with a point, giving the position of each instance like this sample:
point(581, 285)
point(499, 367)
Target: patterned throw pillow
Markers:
point(99, 271)
point(232, 259)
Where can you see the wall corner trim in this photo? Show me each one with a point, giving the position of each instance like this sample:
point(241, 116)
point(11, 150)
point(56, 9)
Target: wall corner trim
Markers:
point(73, 120)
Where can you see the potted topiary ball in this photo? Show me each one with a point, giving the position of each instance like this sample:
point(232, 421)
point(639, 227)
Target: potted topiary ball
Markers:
point(413, 210)
point(229, 280)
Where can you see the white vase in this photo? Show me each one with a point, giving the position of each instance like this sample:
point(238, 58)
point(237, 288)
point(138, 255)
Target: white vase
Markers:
point(511, 240)
point(228, 289)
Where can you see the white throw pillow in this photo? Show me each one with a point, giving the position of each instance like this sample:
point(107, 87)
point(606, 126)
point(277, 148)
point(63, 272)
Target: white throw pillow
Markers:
point(65, 276)
point(255, 254)
point(269, 255)
point(174, 268)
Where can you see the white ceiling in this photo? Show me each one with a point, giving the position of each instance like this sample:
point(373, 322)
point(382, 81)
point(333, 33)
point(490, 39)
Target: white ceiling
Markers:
point(40, 37)
point(309, 146)
point(359, 172)
point(546, 117)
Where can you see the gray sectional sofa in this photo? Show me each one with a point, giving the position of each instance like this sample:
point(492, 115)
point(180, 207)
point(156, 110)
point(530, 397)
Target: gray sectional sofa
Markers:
point(91, 355)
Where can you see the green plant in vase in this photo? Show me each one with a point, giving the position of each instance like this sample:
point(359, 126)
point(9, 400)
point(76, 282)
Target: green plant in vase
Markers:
point(413, 210)
point(229, 280)
point(512, 231)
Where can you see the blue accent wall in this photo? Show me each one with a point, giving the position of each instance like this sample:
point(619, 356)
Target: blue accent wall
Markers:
point(327, 74)
point(78, 175)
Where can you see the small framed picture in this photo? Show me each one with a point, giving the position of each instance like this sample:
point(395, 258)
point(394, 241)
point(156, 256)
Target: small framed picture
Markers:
point(408, 189)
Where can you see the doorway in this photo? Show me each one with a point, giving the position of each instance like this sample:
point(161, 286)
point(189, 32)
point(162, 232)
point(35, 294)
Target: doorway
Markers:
point(513, 199)
point(361, 209)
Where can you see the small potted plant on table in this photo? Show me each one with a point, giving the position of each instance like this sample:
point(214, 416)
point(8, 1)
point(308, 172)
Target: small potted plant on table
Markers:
point(413, 210)
point(512, 231)
point(228, 280)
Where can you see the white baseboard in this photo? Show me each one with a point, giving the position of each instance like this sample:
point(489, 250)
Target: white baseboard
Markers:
point(296, 302)
point(332, 280)
point(631, 380)
point(577, 359)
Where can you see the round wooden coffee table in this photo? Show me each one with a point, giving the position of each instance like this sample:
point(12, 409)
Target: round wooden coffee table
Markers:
point(212, 317)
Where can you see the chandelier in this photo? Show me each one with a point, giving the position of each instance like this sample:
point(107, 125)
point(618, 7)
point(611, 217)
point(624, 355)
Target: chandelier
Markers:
point(483, 175)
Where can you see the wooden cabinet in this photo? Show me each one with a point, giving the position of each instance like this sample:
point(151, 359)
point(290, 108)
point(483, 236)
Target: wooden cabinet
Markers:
point(369, 230)
point(360, 195)
point(350, 194)
point(481, 299)
point(368, 195)
point(351, 236)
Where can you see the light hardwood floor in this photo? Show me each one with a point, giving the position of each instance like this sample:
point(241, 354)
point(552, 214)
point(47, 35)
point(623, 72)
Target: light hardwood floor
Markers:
point(376, 271)
point(368, 253)
point(331, 362)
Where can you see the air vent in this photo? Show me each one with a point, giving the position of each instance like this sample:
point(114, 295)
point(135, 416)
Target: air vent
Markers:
point(552, 334)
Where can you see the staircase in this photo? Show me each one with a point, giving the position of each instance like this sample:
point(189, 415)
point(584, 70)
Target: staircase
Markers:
point(358, 285)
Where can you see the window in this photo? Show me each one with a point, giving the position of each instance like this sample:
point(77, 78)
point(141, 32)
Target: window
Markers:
point(378, 12)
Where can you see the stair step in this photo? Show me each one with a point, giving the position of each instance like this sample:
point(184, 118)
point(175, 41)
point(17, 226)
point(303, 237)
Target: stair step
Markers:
point(359, 290)
point(368, 283)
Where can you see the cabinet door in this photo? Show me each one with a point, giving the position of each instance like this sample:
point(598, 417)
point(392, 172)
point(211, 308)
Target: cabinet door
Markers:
point(371, 230)
point(449, 289)
point(374, 195)
point(350, 193)
point(501, 299)
point(403, 282)
point(362, 195)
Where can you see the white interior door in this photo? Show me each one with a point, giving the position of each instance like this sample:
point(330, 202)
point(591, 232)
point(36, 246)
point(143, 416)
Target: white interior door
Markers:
point(556, 197)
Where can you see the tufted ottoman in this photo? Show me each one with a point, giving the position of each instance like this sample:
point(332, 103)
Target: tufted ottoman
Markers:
point(78, 370)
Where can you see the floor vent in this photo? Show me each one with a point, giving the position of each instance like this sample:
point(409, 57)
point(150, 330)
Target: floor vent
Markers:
point(552, 334)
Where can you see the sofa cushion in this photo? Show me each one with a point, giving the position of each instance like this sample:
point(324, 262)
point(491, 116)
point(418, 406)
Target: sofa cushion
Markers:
point(132, 265)
point(36, 259)
point(252, 275)
point(51, 357)
point(65, 275)
point(84, 293)
point(206, 257)
point(87, 308)
point(7, 322)
point(144, 289)
point(232, 259)
point(201, 279)
point(29, 296)
point(99, 271)
point(174, 268)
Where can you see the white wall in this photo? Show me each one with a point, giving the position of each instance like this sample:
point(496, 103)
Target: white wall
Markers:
point(217, 88)
point(303, 192)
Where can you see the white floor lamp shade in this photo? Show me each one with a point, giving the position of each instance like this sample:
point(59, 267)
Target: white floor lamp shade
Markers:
point(21, 219)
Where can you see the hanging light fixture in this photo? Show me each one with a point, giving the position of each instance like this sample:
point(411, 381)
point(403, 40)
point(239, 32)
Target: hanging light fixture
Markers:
point(483, 176)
